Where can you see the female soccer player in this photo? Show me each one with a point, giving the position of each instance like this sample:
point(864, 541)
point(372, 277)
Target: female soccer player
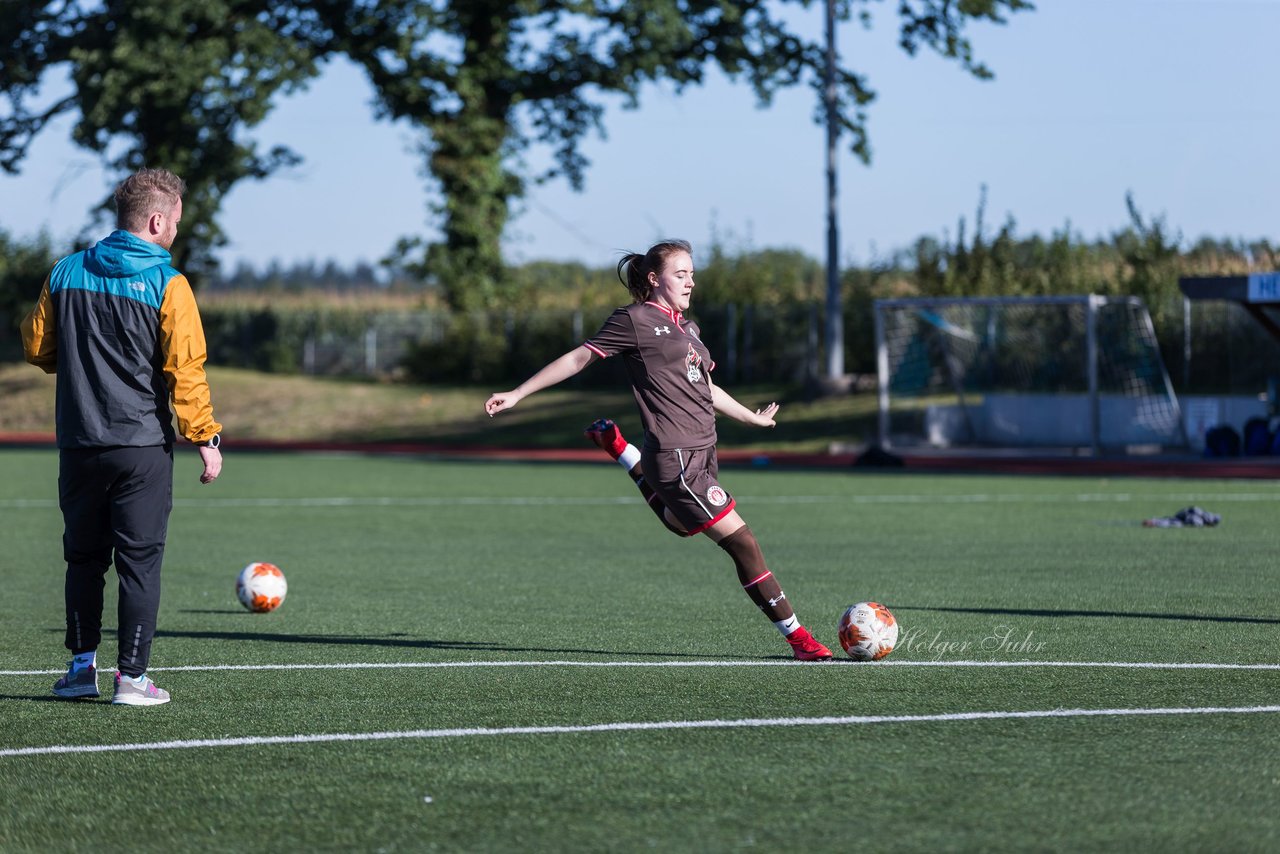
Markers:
point(670, 373)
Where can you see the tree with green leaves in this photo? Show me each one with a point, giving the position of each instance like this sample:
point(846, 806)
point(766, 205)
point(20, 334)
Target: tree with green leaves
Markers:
point(177, 83)
point(168, 83)
point(488, 79)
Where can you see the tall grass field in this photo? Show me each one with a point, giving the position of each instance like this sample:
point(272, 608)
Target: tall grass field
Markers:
point(483, 656)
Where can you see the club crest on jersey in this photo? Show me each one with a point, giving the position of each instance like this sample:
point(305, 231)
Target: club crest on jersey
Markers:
point(717, 496)
point(693, 365)
point(662, 330)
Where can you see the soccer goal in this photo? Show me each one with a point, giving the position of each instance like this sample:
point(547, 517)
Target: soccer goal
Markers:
point(1076, 372)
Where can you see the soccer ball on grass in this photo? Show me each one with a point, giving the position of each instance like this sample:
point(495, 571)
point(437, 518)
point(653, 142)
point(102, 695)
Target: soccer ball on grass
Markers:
point(868, 632)
point(261, 587)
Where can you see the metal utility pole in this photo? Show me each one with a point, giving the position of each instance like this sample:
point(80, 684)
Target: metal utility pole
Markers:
point(835, 311)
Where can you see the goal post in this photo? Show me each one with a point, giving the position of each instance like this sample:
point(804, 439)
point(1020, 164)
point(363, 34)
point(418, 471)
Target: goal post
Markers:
point(1077, 372)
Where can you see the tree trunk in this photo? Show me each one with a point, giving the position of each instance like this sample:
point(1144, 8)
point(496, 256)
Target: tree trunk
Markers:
point(468, 148)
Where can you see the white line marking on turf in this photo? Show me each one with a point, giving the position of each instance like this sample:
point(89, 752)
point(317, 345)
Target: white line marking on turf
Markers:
point(412, 665)
point(570, 501)
point(626, 726)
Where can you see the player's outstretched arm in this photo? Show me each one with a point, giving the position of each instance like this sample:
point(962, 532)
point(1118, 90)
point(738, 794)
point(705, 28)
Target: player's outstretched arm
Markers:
point(724, 402)
point(555, 372)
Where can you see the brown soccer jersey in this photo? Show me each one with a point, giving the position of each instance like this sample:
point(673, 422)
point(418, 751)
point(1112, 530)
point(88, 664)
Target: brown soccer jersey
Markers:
point(669, 368)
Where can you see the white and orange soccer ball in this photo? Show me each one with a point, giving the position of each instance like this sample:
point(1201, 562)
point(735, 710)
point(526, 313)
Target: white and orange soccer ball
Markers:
point(261, 587)
point(868, 632)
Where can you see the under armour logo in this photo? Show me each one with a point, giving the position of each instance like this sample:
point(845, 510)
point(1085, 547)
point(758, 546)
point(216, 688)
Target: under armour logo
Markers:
point(774, 602)
point(658, 330)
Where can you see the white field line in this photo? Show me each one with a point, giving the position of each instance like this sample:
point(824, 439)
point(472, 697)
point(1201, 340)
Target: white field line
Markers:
point(628, 726)
point(433, 665)
point(578, 501)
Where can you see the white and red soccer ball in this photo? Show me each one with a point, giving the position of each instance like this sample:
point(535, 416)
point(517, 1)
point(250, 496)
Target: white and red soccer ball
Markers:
point(261, 587)
point(868, 632)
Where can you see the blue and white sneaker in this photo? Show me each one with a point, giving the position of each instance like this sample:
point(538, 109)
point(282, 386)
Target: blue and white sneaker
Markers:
point(77, 683)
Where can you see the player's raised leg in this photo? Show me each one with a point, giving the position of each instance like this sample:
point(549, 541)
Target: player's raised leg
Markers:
point(606, 435)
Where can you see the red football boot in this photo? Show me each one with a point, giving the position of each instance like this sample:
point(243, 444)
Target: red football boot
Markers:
point(805, 647)
point(607, 435)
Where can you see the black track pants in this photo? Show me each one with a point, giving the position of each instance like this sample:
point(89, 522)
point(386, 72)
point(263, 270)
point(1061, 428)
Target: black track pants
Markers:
point(115, 502)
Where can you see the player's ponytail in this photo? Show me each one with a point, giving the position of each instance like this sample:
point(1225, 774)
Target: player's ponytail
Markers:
point(631, 275)
point(634, 268)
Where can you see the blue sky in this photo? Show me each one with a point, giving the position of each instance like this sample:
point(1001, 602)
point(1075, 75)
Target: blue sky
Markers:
point(1173, 100)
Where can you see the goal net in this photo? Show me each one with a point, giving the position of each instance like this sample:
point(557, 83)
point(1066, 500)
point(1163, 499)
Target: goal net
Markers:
point(1080, 372)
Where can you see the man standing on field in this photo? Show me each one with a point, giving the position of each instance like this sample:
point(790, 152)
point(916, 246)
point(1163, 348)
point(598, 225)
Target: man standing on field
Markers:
point(120, 328)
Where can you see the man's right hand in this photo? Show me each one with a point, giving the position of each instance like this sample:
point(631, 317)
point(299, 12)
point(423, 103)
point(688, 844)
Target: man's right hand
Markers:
point(212, 458)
